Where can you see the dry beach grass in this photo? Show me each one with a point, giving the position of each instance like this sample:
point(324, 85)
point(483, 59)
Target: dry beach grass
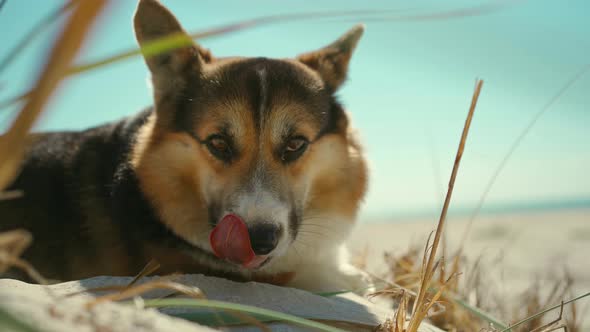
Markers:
point(513, 265)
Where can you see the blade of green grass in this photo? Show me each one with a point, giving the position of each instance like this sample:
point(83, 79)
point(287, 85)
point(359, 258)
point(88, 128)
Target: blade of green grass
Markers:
point(225, 319)
point(329, 294)
point(246, 309)
point(218, 319)
point(480, 313)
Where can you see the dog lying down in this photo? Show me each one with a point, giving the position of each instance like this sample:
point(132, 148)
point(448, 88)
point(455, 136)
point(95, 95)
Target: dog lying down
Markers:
point(245, 168)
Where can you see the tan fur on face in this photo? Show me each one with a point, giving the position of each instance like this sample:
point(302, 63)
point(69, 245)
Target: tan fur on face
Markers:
point(339, 177)
point(336, 171)
point(180, 176)
point(285, 115)
point(165, 164)
point(333, 171)
point(233, 112)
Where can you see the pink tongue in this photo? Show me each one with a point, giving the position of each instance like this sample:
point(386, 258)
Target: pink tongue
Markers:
point(230, 240)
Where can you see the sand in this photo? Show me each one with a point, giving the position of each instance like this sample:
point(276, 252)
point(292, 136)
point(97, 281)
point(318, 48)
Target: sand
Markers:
point(519, 248)
point(53, 311)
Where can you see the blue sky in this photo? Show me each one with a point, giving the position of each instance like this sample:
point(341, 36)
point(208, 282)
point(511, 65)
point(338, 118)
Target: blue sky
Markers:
point(409, 89)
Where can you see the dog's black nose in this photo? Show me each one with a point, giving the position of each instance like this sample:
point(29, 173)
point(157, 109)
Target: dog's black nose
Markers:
point(264, 238)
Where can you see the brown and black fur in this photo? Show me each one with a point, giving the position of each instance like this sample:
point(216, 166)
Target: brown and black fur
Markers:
point(107, 200)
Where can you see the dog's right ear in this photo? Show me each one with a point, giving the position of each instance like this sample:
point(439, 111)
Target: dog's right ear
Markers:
point(331, 62)
point(153, 21)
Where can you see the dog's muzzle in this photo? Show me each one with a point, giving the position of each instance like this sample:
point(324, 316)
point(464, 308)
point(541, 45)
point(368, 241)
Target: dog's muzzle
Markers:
point(232, 240)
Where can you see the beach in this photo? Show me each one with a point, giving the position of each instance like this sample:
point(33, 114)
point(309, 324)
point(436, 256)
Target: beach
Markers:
point(517, 250)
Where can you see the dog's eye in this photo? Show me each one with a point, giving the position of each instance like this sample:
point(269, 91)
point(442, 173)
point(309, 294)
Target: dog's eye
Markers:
point(294, 149)
point(219, 147)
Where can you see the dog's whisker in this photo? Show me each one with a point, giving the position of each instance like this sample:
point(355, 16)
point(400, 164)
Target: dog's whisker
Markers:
point(296, 251)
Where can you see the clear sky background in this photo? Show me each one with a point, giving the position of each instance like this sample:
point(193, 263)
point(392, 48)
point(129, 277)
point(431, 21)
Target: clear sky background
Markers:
point(409, 89)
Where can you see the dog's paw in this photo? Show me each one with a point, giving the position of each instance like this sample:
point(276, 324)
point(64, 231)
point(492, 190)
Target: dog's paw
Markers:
point(328, 279)
point(354, 279)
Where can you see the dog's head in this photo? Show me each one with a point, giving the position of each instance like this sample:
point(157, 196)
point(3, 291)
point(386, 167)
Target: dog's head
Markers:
point(248, 157)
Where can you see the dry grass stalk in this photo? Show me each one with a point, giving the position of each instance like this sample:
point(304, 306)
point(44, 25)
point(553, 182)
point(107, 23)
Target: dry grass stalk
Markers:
point(449, 316)
point(477, 290)
point(148, 269)
point(398, 323)
point(12, 245)
point(129, 292)
point(559, 323)
point(12, 194)
point(400, 315)
point(422, 304)
point(151, 267)
point(553, 325)
point(574, 322)
point(13, 143)
point(404, 268)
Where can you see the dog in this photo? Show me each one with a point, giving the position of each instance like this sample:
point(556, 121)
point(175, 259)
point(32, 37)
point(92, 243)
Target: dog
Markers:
point(244, 168)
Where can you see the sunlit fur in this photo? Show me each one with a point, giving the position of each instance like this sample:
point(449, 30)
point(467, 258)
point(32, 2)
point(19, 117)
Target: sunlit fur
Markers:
point(314, 199)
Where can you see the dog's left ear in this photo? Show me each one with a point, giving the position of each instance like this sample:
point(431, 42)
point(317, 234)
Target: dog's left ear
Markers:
point(331, 62)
